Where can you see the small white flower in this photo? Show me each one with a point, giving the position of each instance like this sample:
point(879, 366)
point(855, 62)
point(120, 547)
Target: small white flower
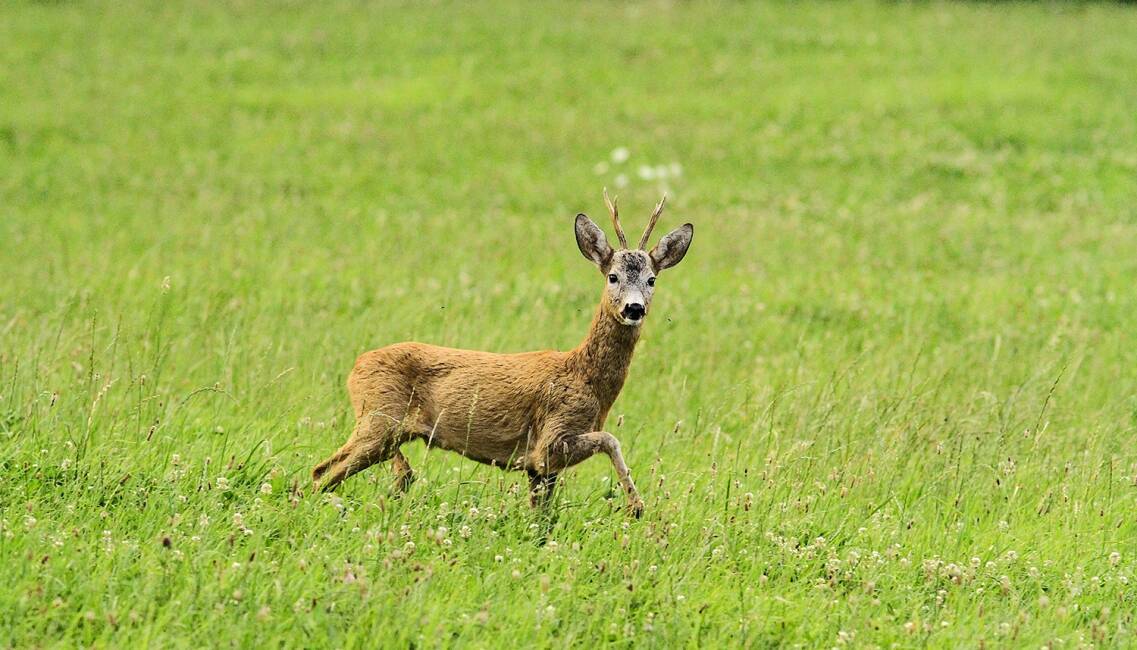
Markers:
point(222, 483)
point(621, 180)
point(266, 488)
point(620, 155)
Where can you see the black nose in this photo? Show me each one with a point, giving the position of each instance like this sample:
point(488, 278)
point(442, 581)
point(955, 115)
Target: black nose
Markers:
point(634, 311)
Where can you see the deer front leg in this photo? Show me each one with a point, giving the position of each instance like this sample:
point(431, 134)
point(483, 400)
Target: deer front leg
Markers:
point(570, 450)
point(541, 488)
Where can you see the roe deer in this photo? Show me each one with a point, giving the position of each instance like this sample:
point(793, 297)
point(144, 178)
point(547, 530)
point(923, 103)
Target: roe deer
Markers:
point(541, 412)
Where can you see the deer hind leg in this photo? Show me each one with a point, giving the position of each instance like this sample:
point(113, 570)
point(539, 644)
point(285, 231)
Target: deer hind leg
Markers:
point(376, 438)
point(568, 451)
point(404, 476)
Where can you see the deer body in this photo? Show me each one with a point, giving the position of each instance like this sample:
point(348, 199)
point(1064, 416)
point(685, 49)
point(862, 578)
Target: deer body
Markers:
point(540, 412)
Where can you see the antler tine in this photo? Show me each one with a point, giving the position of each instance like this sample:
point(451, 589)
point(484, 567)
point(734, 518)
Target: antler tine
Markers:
point(615, 212)
point(651, 222)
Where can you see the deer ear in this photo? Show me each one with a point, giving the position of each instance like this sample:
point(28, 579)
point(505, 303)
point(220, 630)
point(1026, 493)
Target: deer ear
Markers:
point(591, 241)
point(671, 249)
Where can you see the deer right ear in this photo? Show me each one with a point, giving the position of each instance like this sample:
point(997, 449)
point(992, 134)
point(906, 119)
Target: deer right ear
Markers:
point(671, 249)
point(591, 241)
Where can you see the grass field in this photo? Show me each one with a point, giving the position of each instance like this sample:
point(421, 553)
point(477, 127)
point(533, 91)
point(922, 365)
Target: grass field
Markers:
point(888, 399)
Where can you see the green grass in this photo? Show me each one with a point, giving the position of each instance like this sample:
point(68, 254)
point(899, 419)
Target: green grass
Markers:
point(888, 399)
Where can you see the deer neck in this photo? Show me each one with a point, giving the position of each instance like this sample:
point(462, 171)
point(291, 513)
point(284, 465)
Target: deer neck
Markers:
point(605, 354)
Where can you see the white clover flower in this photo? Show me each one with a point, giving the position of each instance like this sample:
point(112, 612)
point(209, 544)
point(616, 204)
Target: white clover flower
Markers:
point(266, 488)
point(620, 155)
point(222, 483)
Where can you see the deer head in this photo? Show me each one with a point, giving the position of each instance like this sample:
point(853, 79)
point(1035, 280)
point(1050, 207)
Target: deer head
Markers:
point(630, 273)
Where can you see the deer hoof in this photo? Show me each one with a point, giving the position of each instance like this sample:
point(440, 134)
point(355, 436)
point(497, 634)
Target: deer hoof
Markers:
point(636, 508)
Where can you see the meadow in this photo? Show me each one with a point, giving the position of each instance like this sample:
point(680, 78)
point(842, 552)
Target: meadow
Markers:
point(888, 399)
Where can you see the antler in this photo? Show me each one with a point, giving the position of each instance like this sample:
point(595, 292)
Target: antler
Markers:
point(615, 218)
point(651, 223)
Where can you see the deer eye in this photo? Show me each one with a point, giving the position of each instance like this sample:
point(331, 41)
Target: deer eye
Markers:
point(612, 278)
point(651, 282)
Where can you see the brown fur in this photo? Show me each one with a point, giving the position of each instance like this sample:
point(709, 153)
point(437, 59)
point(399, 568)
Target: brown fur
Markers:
point(541, 412)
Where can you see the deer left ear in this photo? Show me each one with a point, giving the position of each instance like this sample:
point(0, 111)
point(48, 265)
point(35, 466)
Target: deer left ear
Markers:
point(671, 249)
point(591, 241)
